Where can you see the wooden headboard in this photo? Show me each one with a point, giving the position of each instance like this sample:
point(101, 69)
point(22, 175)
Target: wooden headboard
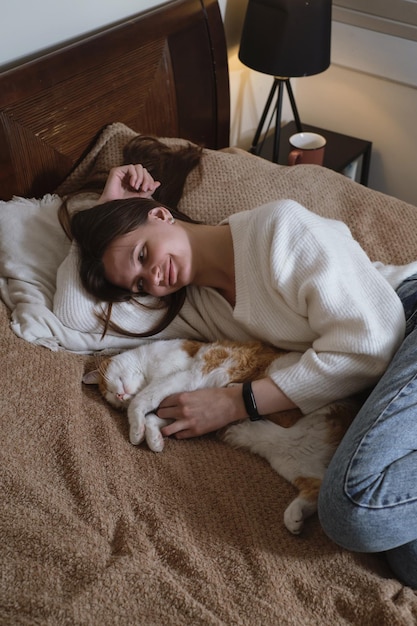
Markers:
point(163, 72)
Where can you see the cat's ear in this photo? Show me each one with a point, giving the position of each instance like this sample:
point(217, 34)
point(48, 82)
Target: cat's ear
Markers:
point(91, 378)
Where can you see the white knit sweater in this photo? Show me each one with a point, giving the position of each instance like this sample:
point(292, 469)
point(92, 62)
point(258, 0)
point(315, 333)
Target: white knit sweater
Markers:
point(302, 284)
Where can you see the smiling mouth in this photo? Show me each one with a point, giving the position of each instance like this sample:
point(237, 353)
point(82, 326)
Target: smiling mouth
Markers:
point(167, 275)
point(170, 277)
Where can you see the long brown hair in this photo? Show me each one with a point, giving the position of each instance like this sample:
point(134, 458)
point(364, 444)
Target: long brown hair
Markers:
point(93, 230)
point(168, 164)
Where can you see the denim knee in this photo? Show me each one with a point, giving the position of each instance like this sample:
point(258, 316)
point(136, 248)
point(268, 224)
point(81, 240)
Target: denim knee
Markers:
point(334, 511)
point(347, 523)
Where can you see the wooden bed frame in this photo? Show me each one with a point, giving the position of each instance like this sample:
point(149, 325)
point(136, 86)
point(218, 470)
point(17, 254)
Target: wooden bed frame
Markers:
point(164, 72)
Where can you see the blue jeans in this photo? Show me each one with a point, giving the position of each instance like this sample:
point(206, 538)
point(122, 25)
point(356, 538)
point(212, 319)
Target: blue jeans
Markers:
point(368, 498)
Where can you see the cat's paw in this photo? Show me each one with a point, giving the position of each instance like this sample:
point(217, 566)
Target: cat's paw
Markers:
point(155, 440)
point(154, 437)
point(238, 435)
point(136, 427)
point(298, 511)
point(294, 517)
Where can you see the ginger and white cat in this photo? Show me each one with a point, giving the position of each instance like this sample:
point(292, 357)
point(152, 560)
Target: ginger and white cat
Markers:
point(139, 379)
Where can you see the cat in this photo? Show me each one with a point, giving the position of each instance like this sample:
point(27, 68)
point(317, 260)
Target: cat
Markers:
point(140, 378)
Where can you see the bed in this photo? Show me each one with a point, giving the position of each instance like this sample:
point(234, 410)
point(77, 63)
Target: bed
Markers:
point(94, 530)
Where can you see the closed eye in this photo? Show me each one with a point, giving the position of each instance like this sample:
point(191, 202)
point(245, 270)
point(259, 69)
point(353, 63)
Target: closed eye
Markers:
point(140, 288)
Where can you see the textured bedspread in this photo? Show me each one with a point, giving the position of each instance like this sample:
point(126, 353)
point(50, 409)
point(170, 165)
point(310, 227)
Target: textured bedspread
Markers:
point(96, 531)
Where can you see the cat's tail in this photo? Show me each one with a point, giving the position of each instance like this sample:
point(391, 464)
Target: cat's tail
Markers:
point(305, 448)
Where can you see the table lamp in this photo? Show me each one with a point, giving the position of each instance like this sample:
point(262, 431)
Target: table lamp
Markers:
point(285, 38)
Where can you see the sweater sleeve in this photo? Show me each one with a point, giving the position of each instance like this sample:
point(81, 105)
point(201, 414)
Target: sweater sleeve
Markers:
point(355, 318)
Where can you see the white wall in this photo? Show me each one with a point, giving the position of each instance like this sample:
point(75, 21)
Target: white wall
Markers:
point(28, 26)
point(370, 90)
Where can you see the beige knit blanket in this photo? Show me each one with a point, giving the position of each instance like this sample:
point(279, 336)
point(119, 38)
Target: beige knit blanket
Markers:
point(95, 531)
point(232, 180)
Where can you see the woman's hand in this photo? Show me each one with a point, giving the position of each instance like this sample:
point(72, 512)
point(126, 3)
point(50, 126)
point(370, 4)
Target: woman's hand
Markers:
point(206, 410)
point(203, 411)
point(128, 181)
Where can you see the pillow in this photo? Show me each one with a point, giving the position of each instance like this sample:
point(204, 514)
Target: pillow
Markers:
point(32, 247)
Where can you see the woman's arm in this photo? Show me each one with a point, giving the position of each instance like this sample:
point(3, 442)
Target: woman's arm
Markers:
point(308, 281)
point(199, 412)
point(128, 181)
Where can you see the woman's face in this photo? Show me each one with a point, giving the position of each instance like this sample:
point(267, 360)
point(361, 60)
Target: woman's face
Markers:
point(155, 258)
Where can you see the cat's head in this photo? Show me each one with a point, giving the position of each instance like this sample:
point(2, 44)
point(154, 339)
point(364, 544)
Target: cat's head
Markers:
point(117, 382)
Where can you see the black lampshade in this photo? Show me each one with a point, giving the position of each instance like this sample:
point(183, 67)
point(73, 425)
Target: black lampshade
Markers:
point(287, 37)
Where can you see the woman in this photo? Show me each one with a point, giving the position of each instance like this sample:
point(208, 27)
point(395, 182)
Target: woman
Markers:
point(279, 273)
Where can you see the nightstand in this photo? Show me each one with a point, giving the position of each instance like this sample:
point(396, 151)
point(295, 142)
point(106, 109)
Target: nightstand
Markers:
point(344, 154)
